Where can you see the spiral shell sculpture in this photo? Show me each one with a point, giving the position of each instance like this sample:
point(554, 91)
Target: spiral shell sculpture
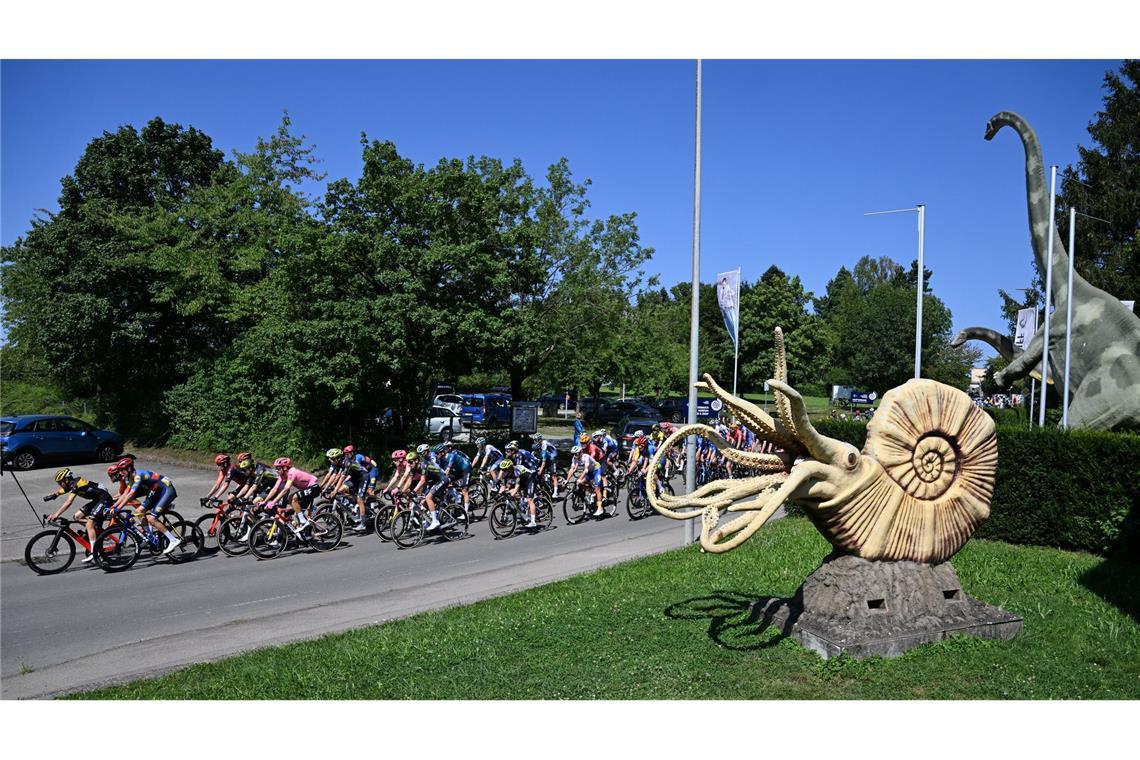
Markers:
point(917, 491)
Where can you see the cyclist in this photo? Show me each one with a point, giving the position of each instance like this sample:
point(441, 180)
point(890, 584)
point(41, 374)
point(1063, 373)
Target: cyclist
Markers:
point(458, 469)
point(90, 514)
point(607, 450)
point(222, 462)
point(548, 461)
point(159, 495)
point(364, 473)
point(399, 473)
point(637, 453)
point(430, 472)
point(524, 479)
point(336, 468)
point(488, 456)
point(252, 478)
point(590, 469)
point(289, 478)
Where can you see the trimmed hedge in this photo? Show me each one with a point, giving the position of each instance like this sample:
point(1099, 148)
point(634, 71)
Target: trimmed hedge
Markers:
point(1072, 490)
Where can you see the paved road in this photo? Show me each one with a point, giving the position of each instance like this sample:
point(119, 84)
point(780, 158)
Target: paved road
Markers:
point(85, 628)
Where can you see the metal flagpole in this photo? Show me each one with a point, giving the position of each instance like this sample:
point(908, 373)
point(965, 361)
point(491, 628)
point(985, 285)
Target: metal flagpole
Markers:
point(918, 320)
point(694, 313)
point(1032, 391)
point(1069, 316)
point(1048, 294)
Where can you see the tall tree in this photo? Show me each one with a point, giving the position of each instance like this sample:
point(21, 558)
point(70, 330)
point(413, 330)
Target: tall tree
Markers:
point(1105, 183)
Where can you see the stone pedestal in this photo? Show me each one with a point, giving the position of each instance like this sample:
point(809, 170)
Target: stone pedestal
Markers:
point(860, 608)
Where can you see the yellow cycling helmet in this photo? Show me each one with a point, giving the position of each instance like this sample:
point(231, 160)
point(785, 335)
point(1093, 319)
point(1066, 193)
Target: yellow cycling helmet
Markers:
point(584, 438)
point(63, 474)
point(506, 464)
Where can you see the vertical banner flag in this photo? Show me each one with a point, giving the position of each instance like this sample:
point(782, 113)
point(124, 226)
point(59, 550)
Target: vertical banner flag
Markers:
point(728, 296)
point(1026, 327)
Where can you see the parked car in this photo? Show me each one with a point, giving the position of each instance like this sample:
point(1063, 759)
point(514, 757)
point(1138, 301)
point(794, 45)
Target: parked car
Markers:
point(616, 410)
point(625, 432)
point(444, 423)
point(486, 409)
point(672, 409)
point(31, 439)
point(452, 401)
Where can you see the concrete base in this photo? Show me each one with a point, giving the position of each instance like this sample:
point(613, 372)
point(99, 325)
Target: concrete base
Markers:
point(860, 608)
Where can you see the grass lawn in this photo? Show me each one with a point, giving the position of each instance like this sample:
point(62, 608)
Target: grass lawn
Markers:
point(675, 626)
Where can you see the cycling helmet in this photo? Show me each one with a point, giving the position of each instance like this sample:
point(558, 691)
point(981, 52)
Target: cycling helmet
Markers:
point(63, 474)
point(114, 473)
point(245, 459)
point(667, 427)
point(638, 435)
point(399, 454)
point(439, 448)
point(411, 457)
point(222, 460)
point(735, 424)
point(349, 450)
point(656, 427)
point(512, 446)
point(599, 433)
point(480, 441)
point(451, 444)
point(282, 462)
point(536, 437)
point(506, 464)
point(334, 453)
point(584, 438)
point(575, 450)
point(422, 449)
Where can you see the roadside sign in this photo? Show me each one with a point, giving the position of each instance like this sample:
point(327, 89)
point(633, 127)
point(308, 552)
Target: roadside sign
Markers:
point(524, 417)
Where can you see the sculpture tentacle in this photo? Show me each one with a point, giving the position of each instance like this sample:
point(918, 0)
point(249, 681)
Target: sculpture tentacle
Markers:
point(754, 417)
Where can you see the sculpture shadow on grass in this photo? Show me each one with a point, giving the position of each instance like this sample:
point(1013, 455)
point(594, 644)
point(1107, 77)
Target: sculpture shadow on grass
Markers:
point(1117, 581)
point(734, 620)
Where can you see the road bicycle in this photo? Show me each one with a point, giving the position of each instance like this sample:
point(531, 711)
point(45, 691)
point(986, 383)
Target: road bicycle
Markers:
point(580, 502)
point(210, 524)
point(409, 527)
point(272, 535)
point(344, 506)
point(233, 532)
point(119, 546)
point(512, 513)
point(637, 504)
point(52, 551)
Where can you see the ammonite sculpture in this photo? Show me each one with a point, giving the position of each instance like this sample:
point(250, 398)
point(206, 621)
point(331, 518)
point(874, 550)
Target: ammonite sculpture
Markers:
point(917, 491)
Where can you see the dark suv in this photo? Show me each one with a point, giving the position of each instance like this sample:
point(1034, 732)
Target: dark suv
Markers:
point(615, 411)
point(672, 409)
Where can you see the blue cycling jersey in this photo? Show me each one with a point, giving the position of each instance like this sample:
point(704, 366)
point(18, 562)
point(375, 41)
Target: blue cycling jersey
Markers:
point(527, 459)
point(491, 455)
point(547, 452)
point(456, 460)
point(609, 445)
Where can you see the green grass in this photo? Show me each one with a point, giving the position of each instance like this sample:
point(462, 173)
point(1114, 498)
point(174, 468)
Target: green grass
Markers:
point(675, 626)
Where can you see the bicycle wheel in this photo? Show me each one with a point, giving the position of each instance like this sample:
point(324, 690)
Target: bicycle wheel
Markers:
point(230, 533)
point(610, 501)
point(192, 541)
point(267, 539)
point(47, 555)
point(543, 512)
point(325, 532)
point(503, 519)
point(210, 526)
point(453, 522)
point(407, 529)
point(116, 549)
point(478, 494)
point(574, 507)
point(635, 505)
point(382, 524)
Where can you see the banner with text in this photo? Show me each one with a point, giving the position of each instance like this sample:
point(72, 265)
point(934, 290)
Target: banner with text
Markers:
point(1026, 327)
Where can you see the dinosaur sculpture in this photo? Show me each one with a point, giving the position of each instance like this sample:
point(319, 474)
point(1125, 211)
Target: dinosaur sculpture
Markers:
point(1104, 372)
point(916, 492)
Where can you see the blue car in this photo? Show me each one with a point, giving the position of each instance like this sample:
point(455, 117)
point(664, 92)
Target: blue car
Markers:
point(486, 409)
point(29, 440)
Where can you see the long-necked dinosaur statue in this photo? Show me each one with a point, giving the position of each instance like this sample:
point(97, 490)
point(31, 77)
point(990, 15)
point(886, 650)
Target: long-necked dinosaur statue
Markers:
point(1104, 374)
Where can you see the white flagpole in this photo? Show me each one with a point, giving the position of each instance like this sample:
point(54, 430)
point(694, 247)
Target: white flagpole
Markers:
point(694, 326)
point(1048, 294)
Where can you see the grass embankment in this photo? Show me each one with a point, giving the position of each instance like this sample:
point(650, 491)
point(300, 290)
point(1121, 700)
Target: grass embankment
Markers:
point(676, 626)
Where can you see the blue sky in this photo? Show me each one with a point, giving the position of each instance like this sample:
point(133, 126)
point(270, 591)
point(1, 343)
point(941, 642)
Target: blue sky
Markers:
point(793, 151)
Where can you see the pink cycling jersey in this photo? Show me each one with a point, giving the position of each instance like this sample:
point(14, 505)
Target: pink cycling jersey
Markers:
point(300, 478)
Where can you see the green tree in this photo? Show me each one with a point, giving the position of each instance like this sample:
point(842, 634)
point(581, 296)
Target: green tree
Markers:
point(80, 293)
point(1105, 183)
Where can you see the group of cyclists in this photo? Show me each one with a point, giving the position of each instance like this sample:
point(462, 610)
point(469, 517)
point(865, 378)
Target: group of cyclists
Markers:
point(426, 471)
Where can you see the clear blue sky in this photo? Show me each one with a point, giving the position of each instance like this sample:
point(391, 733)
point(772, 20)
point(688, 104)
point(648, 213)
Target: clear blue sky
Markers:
point(793, 151)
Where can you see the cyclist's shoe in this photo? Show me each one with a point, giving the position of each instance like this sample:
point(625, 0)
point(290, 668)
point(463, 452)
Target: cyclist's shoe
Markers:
point(89, 557)
point(533, 523)
point(172, 546)
point(599, 512)
point(360, 527)
point(433, 524)
point(245, 536)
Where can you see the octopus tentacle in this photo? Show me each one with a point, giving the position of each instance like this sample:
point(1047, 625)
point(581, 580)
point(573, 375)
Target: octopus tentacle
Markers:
point(753, 416)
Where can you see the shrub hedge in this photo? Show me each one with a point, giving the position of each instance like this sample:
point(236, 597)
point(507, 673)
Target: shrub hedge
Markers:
point(1072, 490)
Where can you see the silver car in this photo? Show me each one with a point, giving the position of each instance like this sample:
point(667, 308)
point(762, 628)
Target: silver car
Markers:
point(444, 423)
